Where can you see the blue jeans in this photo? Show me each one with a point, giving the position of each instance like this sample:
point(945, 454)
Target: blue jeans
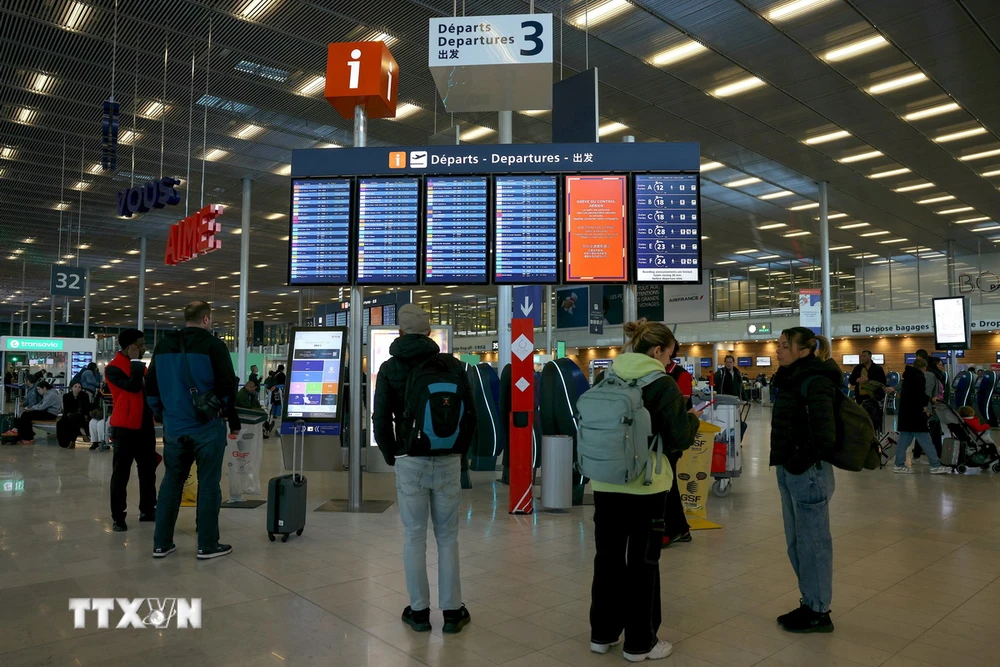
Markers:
point(805, 509)
point(923, 439)
point(430, 485)
point(206, 448)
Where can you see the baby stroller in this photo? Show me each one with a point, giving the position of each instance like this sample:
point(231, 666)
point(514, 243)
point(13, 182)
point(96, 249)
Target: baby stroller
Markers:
point(966, 447)
point(873, 400)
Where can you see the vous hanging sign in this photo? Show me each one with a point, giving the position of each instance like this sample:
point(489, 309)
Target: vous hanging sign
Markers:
point(193, 236)
point(154, 194)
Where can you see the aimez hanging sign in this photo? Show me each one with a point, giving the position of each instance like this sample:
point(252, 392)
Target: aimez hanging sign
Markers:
point(193, 236)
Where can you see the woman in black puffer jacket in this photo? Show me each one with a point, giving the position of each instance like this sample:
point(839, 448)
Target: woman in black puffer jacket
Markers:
point(803, 431)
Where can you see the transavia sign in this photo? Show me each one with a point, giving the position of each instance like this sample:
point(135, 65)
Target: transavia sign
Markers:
point(154, 194)
point(193, 236)
point(34, 344)
point(139, 613)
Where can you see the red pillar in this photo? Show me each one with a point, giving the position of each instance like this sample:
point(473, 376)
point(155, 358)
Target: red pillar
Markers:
point(522, 413)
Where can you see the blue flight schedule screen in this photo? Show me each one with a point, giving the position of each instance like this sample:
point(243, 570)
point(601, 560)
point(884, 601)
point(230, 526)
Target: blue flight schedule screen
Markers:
point(321, 232)
point(456, 231)
point(668, 232)
point(527, 230)
point(388, 231)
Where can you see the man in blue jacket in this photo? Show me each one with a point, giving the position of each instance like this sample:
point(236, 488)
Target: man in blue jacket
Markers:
point(190, 368)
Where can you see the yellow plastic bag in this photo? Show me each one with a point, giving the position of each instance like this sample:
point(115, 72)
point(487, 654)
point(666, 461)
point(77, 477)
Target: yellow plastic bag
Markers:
point(189, 495)
point(694, 472)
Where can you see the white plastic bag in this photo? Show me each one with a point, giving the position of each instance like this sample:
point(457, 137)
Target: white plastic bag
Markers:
point(243, 458)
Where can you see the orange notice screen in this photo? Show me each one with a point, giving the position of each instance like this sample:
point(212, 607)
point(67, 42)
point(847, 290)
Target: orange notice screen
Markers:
point(596, 240)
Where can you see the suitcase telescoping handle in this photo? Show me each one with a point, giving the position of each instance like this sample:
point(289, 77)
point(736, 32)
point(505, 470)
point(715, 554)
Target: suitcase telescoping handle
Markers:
point(299, 431)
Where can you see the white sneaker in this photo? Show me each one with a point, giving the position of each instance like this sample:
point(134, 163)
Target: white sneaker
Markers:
point(902, 470)
point(662, 649)
point(940, 470)
point(604, 648)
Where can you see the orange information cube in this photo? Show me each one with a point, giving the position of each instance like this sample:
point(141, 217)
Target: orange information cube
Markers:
point(362, 73)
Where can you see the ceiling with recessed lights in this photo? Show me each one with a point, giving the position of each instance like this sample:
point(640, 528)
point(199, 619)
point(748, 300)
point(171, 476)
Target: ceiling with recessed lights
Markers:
point(892, 102)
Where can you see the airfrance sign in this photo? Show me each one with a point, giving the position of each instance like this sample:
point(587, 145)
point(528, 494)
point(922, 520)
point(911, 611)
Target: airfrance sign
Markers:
point(154, 194)
point(506, 158)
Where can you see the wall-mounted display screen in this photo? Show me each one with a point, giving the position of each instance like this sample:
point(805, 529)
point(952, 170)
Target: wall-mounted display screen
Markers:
point(878, 359)
point(527, 230)
point(315, 374)
point(744, 361)
point(79, 361)
point(667, 229)
point(457, 231)
point(763, 361)
point(851, 359)
point(706, 362)
point(596, 237)
point(388, 231)
point(320, 234)
point(951, 323)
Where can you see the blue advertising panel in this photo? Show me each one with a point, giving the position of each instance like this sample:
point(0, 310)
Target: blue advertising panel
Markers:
point(320, 235)
point(706, 362)
point(457, 231)
point(571, 307)
point(744, 362)
point(667, 228)
point(388, 231)
point(527, 230)
point(528, 303)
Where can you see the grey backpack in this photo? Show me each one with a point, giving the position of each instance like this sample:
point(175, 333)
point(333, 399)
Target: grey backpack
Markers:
point(614, 437)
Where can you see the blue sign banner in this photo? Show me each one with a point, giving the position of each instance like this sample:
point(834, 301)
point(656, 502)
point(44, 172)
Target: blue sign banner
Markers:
point(505, 158)
point(528, 303)
point(572, 304)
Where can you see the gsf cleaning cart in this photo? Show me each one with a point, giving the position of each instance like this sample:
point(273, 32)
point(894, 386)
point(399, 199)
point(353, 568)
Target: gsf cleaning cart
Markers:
point(243, 456)
point(727, 453)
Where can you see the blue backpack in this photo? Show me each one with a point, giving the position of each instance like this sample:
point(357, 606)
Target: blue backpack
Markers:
point(437, 401)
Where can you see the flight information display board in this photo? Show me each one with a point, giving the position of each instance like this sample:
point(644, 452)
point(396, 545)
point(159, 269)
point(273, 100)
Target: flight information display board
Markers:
point(388, 231)
point(596, 236)
point(527, 230)
point(315, 375)
point(320, 234)
point(667, 228)
point(457, 231)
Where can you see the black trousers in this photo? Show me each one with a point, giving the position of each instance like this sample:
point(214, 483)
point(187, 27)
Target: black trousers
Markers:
point(675, 521)
point(138, 446)
point(25, 431)
point(70, 427)
point(625, 594)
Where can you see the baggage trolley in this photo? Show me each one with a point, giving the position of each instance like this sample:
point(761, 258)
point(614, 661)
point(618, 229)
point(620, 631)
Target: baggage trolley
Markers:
point(727, 455)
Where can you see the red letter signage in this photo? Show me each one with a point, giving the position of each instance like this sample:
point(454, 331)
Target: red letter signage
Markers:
point(193, 236)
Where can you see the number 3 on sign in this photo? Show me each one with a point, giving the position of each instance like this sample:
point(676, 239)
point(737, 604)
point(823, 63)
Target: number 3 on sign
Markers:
point(534, 37)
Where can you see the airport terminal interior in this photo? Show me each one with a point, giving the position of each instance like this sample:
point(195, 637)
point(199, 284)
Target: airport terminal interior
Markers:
point(534, 176)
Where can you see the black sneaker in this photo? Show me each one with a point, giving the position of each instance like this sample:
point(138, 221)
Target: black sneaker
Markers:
point(455, 619)
point(418, 620)
point(163, 552)
point(119, 526)
point(686, 537)
point(220, 550)
point(94, 445)
point(804, 620)
point(147, 517)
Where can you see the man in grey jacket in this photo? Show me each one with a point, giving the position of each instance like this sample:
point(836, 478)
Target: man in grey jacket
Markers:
point(46, 410)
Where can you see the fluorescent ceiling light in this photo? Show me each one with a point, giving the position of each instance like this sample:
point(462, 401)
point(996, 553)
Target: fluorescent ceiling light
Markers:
point(830, 136)
point(532, 112)
point(879, 233)
point(602, 12)
point(76, 15)
point(855, 48)
point(678, 53)
point(254, 10)
point(932, 111)
point(890, 172)
point(737, 87)
point(263, 71)
point(803, 207)
point(153, 110)
point(40, 83)
point(95, 168)
point(406, 109)
point(610, 128)
point(955, 136)
point(960, 209)
point(935, 200)
point(776, 195)
point(898, 82)
point(757, 268)
point(986, 228)
point(790, 235)
point(987, 174)
point(769, 257)
point(788, 10)
point(978, 218)
point(327, 145)
point(7, 153)
point(26, 116)
point(128, 137)
point(215, 154)
point(388, 39)
point(841, 247)
point(728, 261)
point(283, 170)
point(81, 185)
point(476, 133)
point(834, 216)
point(273, 216)
point(249, 131)
point(892, 241)
point(858, 157)
point(740, 182)
point(880, 261)
point(711, 166)
point(855, 225)
point(314, 84)
point(747, 252)
point(61, 206)
point(980, 155)
point(911, 188)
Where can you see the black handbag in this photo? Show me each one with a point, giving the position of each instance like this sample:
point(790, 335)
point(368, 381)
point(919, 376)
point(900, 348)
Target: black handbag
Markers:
point(207, 405)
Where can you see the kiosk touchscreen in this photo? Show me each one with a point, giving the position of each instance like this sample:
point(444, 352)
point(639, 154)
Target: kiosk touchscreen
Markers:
point(315, 377)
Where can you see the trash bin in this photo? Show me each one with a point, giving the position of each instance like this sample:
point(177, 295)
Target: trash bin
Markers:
point(557, 471)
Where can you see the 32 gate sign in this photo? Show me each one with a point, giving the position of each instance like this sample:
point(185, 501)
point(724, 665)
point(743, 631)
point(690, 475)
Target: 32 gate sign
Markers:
point(154, 194)
point(68, 281)
point(193, 236)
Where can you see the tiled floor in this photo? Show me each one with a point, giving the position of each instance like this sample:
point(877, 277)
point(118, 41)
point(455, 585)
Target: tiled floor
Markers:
point(917, 577)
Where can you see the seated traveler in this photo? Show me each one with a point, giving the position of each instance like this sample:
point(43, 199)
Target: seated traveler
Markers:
point(75, 415)
point(47, 409)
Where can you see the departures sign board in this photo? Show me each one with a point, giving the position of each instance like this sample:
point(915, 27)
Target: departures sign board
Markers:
point(504, 214)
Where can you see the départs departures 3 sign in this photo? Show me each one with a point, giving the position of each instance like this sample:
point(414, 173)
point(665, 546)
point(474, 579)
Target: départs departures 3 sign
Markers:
point(154, 194)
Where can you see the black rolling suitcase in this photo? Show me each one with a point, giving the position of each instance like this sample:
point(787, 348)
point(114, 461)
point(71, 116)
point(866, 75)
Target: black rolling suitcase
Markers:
point(286, 494)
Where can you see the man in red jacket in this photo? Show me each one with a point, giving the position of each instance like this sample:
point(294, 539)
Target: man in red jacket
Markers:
point(133, 433)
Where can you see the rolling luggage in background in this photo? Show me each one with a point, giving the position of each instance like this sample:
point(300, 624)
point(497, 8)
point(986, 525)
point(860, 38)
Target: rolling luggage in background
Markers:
point(952, 453)
point(286, 494)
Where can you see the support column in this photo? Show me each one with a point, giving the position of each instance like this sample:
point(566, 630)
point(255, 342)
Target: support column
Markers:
point(952, 283)
point(241, 323)
point(52, 316)
point(824, 258)
point(142, 281)
point(300, 307)
point(505, 293)
point(354, 489)
point(28, 319)
point(86, 309)
point(548, 321)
